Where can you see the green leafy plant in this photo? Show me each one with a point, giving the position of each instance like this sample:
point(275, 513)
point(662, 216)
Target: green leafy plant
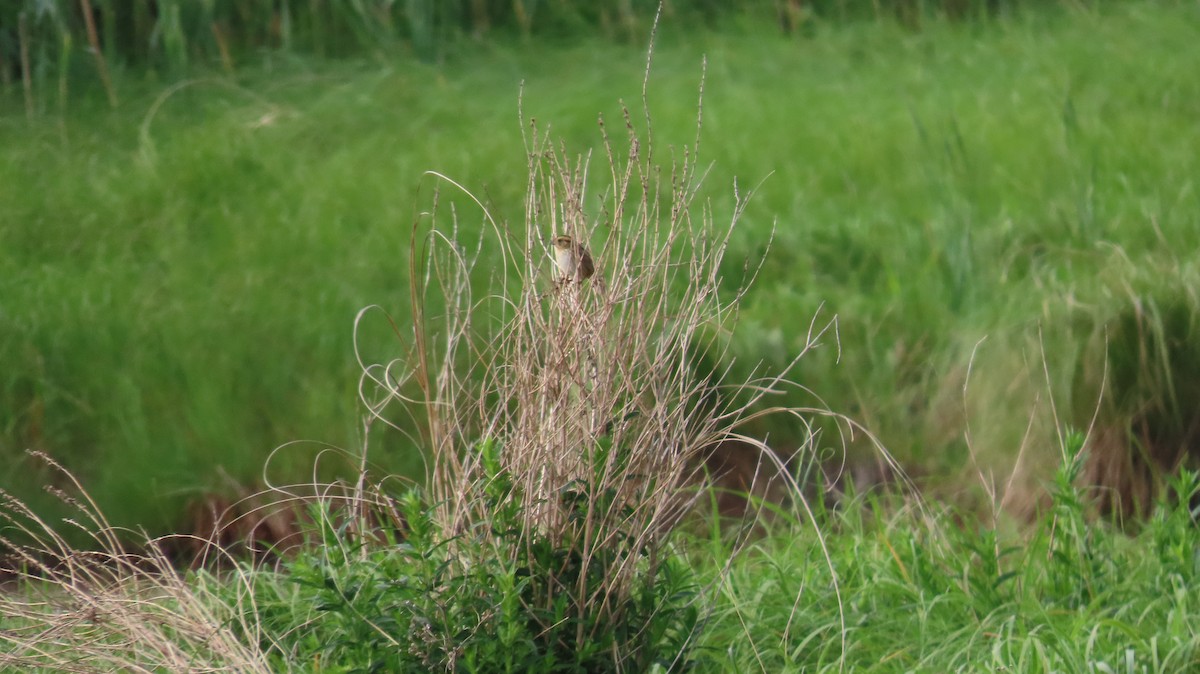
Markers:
point(497, 597)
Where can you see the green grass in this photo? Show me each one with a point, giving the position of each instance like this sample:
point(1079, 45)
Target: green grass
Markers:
point(180, 275)
point(46, 43)
point(915, 589)
point(883, 590)
point(876, 585)
point(179, 279)
point(879, 584)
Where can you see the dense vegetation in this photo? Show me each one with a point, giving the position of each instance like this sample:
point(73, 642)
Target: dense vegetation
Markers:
point(37, 36)
point(998, 206)
point(866, 587)
point(180, 275)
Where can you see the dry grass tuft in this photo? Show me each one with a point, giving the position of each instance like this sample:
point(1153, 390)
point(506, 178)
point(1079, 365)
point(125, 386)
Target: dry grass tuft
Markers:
point(586, 394)
point(110, 609)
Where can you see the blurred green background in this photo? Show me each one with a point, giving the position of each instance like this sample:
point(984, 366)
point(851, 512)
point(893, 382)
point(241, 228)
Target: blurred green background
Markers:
point(197, 198)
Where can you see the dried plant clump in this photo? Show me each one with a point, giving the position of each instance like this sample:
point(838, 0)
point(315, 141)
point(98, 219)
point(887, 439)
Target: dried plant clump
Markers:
point(111, 609)
point(575, 405)
point(565, 364)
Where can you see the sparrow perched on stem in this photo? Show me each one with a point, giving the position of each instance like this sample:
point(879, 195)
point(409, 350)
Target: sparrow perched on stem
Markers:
point(573, 260)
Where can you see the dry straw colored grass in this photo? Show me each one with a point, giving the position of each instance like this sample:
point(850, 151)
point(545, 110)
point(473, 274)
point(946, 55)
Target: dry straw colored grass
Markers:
point(590, 389)
point(111, 609)
point(586, 388)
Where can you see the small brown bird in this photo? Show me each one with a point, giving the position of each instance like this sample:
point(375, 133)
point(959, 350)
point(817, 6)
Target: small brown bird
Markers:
point(573, 260)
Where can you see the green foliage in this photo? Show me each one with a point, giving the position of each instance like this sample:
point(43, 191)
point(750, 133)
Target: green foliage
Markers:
point(172, 34)
point(177, 277)
point(876, 584)
point(897, 590)
point(496, 597)
point(1142, 355)
point(180, 275)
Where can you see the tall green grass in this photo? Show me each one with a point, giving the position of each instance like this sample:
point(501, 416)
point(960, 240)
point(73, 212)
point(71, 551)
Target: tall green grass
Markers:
point(176, 33)
point(53, 46)
point(889, 589)
point(179, 276)
point(177, 289)
point(878, 584)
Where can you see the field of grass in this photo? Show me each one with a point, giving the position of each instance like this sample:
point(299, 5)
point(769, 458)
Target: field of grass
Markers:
point(1001, 216)
point(869, 587)
point(180, 275)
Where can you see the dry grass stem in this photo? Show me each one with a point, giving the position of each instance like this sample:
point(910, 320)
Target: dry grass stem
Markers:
point(110, 609)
